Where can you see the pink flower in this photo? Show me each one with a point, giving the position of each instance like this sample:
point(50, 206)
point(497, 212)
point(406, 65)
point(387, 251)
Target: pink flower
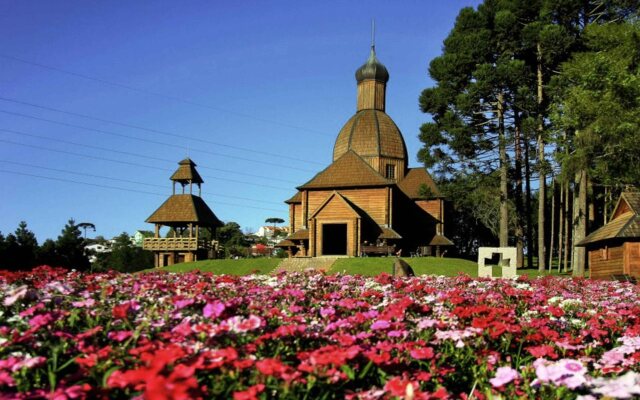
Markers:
point(213, 310)
point(180, 304)
point(327, 311)
point(565, 372)
point(503, 376)
point(624, 387)
point(119, 336)
point(239, 324)
point(85, 303)
point(15, 295)
point(6, 379)
point(380, 324)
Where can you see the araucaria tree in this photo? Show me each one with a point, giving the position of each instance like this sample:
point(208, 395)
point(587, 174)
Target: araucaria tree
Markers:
point(491, 103)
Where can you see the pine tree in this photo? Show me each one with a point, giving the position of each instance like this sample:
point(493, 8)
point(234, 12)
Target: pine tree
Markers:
point(27, 247)
point(70, 247)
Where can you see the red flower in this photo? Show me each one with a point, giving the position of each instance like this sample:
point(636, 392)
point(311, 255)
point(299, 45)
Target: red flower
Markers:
point(541, 351)
point(422, 353)
point(270, 366)
point(249, 394)
point(120, 311)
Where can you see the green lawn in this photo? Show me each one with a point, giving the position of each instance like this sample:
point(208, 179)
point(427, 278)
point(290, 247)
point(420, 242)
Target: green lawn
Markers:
point(421, 265)
point(369, 266)
point(244, 266)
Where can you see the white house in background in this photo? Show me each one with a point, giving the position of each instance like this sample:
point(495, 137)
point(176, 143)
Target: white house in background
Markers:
point(267, 231)
point(139, 236)
point(97, 248)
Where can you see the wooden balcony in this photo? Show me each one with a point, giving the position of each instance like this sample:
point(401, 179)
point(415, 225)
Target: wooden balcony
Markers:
point(174, 244)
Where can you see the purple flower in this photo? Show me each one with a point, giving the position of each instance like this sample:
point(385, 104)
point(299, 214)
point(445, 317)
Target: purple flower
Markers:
point(503, 376)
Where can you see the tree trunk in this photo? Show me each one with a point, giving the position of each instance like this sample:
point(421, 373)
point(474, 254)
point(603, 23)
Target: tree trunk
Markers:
point(567, 231)
point(541, 169)
point(561, 237)
point(553, 222)
point(519, 231)
point(504, 169)
point(580, 210)
point(527, 201)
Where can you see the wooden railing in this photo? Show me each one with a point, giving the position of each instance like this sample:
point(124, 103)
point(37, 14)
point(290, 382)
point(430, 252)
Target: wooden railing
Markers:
point(174, 244)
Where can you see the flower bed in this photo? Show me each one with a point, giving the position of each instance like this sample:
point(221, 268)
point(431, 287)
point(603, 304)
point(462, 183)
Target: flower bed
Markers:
point(159, 336)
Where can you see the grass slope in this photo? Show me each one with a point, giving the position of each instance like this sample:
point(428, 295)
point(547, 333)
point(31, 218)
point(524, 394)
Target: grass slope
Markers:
point(368, 266)
point(421, 266)
point(243, 266)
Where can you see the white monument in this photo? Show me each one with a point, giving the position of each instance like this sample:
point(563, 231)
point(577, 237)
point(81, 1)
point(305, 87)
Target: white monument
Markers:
point(509, 255)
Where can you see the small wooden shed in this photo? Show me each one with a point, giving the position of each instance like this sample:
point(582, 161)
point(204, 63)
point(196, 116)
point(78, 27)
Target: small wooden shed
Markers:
point(614, 249)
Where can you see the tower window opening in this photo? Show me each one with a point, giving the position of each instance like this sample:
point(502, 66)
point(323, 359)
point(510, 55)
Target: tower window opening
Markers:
point(390, 171)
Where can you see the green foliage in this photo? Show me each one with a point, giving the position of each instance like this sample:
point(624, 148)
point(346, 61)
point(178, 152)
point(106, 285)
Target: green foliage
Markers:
point(48, 254)
point(124, 257)
point(70, 247)
point(598, 100)
point(232, 239)
point(18, 250)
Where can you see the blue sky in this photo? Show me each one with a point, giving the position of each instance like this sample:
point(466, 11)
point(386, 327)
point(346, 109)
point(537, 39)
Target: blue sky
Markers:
point(100, 100)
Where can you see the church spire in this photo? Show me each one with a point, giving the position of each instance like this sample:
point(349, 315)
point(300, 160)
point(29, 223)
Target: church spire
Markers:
point(372, 79)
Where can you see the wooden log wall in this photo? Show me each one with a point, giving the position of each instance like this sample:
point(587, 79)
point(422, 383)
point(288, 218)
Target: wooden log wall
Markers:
point(632, 259)
point(372, 200)
point(606, 261)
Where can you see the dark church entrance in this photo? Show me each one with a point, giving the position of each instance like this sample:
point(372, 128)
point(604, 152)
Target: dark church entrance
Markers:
point(334, 239)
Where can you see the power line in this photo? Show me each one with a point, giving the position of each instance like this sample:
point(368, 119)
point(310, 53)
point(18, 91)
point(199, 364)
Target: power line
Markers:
point(132, 163)
point(127, 181)
point(55, 140)
point(172, 145)
point(165, 133)
point(164, 96)
point(118, 188)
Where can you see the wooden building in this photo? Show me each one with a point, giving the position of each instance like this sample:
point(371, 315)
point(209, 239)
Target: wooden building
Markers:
point(186, 214)
point(367, 200)
point(614, 249)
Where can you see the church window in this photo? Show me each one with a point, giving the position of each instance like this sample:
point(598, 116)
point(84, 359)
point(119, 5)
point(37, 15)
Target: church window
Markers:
point(390, 171)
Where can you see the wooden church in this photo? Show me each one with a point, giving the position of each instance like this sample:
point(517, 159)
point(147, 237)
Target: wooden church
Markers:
point(367, 201)
point(186, 214)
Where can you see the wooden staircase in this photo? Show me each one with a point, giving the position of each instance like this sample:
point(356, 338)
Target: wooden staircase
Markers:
point(301, 264)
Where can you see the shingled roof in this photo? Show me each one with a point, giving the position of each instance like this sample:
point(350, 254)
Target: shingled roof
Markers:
point(296, 199)
point(187, 172)
point(184, 208)
point(625, 225)
point(413, 181)
point(388, 233)
point(350, 170)
point(440, 240)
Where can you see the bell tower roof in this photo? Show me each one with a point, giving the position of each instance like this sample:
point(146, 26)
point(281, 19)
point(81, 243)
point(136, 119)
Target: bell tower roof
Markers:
point(187, 173)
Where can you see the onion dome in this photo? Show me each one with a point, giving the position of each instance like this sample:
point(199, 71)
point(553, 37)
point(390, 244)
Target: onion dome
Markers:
point(372, 69)
point(371, 133)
